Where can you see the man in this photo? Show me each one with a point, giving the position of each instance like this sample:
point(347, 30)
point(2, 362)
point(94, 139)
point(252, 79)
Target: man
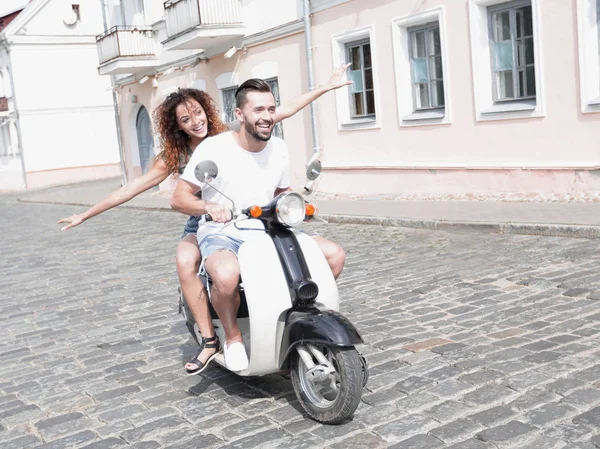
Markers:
point(253, 169)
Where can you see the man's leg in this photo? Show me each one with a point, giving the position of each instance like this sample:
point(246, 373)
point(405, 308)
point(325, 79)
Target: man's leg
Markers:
point(224, 270)
point(334, 254)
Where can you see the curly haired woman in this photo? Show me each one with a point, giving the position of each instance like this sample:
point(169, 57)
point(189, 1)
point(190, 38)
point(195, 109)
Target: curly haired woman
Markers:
point(183, 120)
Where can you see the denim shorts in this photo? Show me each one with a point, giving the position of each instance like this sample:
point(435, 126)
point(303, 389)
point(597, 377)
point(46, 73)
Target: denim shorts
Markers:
point(191, 226)
point(219, 242)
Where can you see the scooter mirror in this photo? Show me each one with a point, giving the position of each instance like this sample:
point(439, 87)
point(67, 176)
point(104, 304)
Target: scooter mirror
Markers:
point(206, 171)
point(313, 170)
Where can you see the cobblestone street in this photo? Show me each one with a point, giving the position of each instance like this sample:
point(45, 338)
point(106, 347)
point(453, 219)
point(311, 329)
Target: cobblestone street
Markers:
point(474, 341)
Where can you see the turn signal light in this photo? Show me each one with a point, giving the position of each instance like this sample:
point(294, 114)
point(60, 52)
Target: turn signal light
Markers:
point(310, 210)
point(255, 211)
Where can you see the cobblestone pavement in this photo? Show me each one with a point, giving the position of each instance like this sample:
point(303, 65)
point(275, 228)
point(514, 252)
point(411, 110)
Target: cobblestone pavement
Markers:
point(474, 341)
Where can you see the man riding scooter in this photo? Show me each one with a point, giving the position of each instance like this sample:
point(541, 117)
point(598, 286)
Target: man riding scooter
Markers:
point(253, 169)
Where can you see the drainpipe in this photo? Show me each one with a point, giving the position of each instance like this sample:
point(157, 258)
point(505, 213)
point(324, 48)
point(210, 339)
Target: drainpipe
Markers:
point(311, 82)
point(115, 106)
point(6, 46)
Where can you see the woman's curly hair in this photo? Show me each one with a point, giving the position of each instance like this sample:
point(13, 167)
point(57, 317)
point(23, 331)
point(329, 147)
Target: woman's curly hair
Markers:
point(173, 140)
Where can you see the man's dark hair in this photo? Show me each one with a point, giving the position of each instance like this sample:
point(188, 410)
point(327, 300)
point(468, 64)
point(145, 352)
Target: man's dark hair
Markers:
point(251, 85)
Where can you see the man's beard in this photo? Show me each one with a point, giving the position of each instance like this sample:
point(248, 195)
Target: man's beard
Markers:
point(253, 130)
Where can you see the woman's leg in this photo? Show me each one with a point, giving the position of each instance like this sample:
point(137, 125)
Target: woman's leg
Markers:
point(188, 261)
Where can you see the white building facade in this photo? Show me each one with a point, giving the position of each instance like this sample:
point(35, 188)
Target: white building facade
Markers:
point(450, 97)
point(59, 123)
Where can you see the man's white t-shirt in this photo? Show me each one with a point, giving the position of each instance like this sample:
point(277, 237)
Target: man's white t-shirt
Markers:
point(248, 178)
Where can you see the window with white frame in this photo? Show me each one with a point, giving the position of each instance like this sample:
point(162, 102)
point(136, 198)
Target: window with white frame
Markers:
point(362, 91)
point(588, 23)
point(513, 59)
point(507, 69)
point(426, 67)
point(228, 95)
point(358, 105)
point(274, 85)
point(421, 68)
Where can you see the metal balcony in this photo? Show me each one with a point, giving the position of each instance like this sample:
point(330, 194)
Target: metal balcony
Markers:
point(202, 24)
point(126, 49)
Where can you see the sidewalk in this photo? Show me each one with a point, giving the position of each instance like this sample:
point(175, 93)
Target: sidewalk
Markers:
point(580, 220)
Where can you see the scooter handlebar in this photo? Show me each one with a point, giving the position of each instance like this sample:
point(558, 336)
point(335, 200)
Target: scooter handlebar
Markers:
point(208, 217)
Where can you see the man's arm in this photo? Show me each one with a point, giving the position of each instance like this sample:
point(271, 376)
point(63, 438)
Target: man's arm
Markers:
point(296, 104)
point(184, 200)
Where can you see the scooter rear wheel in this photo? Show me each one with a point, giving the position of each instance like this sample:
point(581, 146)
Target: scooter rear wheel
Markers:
point(334, 399)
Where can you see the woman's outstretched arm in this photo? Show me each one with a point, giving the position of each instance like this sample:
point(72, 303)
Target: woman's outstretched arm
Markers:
point(157, 173)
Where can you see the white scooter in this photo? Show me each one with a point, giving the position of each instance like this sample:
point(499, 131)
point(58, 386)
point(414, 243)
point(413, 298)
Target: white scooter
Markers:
point(289, 309)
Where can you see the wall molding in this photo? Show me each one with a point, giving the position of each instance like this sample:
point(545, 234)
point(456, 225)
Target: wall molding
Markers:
point(320, 5)
point(287, 29)
point(65, 110)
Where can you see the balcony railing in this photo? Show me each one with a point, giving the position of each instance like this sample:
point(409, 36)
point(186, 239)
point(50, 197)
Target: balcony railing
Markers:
point(125, 42)
point(184, 15)
point(8, 139)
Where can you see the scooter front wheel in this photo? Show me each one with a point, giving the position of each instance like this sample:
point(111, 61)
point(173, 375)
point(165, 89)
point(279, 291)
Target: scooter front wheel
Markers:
point(328, 381)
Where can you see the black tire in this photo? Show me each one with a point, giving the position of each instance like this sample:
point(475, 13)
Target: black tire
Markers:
point(347, 362)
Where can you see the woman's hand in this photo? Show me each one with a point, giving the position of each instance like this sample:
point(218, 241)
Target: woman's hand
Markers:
point(73, 220)
point(335, 80)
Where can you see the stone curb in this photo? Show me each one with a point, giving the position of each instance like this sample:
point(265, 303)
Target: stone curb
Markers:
point(540, 229)
point(146, 206)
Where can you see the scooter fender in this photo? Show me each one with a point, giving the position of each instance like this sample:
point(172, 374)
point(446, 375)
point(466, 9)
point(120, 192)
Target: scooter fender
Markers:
point(268, 298)
point(319, 327)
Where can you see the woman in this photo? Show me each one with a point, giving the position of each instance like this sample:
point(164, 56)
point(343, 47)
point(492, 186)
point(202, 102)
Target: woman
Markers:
point(184, 119)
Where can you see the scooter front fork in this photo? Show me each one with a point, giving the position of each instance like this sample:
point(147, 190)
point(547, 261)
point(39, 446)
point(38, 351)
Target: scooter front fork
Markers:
point(317, 373)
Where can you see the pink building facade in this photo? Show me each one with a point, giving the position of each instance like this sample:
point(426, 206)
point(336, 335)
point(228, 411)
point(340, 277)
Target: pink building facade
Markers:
point(450, 97)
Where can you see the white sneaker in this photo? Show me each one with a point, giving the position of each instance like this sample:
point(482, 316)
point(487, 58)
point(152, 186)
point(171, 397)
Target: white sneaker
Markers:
point(235, 356)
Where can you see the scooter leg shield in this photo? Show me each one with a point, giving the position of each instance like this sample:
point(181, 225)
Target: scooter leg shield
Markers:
point(319, 272)
point(268, 297)
point(317, 327)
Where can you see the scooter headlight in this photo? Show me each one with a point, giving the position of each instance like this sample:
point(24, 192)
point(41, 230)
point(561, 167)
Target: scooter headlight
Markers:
point(290, 209)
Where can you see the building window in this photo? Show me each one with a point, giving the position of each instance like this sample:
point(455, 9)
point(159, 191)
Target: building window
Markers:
point(362, 92)
point(228, 95)
point(588, 27)
point(513, 60)
point(420, 62)
point(426, 67)
point(274, 85)
point(508, 73)
point(358, 105)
